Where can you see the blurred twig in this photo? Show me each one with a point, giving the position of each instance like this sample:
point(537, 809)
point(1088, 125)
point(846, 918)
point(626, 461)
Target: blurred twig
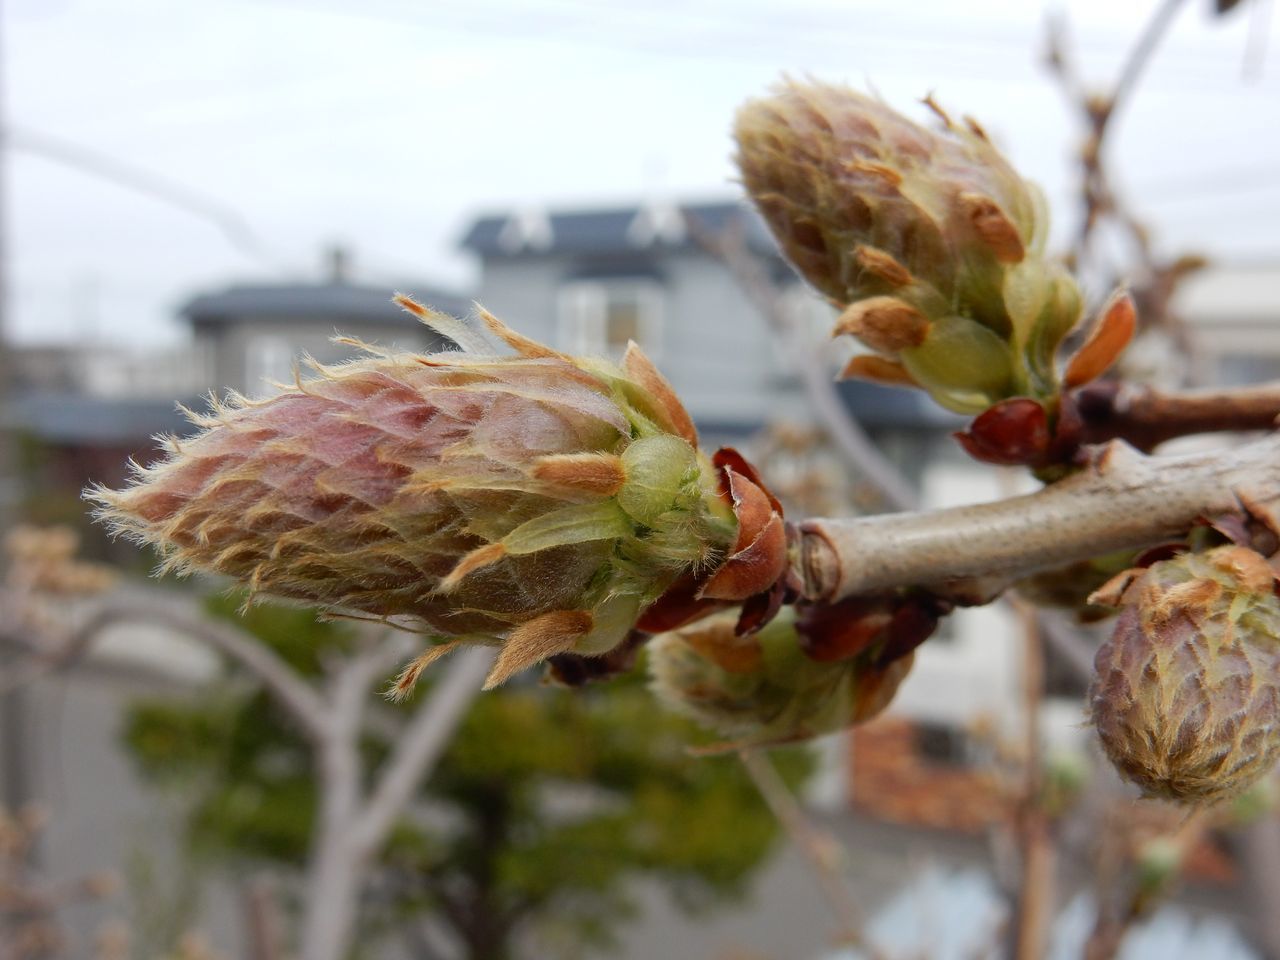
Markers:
point(298, 697)
point(1098, 111)
point(824, 853)
point(1035, 837)
point(1146, 417)
point(730, 247)
point(351, 825)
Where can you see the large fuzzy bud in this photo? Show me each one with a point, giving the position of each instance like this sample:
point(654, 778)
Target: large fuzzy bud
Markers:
point(537, 502)
point(930, 241)
point(1186, 695)
point(787, 682)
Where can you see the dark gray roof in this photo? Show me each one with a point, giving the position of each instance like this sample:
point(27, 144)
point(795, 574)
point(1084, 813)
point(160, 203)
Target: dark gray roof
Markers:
point(80, 419)
point(881, 407)
point(331, 302)
point(608, 231)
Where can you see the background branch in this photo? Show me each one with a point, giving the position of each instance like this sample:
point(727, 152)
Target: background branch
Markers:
point(1146, 417)
point(850, 440)
point(294, 693)
point(823, 852)
point(421, 745)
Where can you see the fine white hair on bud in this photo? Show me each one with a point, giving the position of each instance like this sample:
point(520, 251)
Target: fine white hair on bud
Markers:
point(536, 501)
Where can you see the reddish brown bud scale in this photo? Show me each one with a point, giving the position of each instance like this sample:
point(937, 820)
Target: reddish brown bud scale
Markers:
point(759, 554)
point(881, 265)
point(1013, 432)
point(1111, 333)
point(878, 370)
point(994, 227)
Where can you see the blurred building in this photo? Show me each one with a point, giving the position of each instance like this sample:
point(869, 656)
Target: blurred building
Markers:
point(85, 410)
point(1232, 313)
point(589, 281)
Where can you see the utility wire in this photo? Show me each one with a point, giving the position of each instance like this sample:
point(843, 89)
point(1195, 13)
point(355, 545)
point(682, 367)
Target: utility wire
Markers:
point(86, 160)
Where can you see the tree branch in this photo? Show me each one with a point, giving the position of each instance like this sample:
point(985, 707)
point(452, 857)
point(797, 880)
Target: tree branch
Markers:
point(294, 693)
point(823, 852)
point(1121, 500)
point(1146, 417)
point(421, 745)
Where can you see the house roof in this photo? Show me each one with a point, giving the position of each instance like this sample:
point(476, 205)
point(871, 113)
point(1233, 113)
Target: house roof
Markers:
point(610, 231)
point(883, 407)
point(344, 302)
point(75, 418)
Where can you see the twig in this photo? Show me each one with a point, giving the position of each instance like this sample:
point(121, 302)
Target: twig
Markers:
point(297, 696)
point(1035, 894)
point(1122, 500)
point(1146, 417)
point(823, 851)
point(846, 434)
point(1139, 57)
point(421, 745)
point(262, 919)
point(1260, 854)
point(1099, 111)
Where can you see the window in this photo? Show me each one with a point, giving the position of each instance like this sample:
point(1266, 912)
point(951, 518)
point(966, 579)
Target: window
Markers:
point(599, 317)
point(941, 744)
point(268, 361)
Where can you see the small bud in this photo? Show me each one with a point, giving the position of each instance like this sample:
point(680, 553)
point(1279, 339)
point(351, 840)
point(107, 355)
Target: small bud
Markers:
point(1012, 432)
point(537, 502)
point(765, 688)
point(885, 324)
point(1186, 693)
point(1111, 333)
point(834, 171)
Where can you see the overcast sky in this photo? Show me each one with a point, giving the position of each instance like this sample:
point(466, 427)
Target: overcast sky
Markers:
point(387, 124)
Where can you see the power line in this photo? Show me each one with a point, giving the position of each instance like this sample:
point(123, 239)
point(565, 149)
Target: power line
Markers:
point(87, 160)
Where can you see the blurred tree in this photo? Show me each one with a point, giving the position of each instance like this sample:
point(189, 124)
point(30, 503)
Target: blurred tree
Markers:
point(543, 810)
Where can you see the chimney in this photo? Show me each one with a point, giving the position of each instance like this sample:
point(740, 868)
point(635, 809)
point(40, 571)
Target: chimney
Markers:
point(337, 260)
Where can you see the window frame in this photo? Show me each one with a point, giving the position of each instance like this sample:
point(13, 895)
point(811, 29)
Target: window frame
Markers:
point(583, 309)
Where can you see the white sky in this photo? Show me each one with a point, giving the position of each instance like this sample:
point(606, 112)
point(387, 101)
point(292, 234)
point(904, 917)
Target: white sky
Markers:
point(388, 124)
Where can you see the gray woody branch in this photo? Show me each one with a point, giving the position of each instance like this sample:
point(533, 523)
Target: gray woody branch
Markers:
point(1121, 500)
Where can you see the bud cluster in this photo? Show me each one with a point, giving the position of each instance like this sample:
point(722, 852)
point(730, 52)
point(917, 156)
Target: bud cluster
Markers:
point(929, 242)
point(1186, 693)
point(809, 671)
point(537, 502)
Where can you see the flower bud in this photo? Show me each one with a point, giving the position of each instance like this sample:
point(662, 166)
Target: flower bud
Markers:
point(1186, 693)
point(930, 241)
point(536, 502)
point(765, 688)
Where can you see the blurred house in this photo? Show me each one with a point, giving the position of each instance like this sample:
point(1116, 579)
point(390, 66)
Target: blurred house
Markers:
point(86, 410)
point(1232, 314)
point(252, 335)
point(589, 281)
